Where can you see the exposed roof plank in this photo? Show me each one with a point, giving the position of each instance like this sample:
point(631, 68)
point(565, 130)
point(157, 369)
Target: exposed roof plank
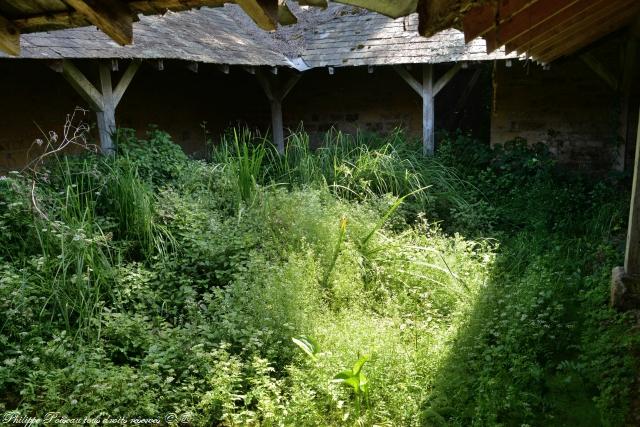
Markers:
point(535, 15)
point(582, 8)
point(484, 18)
point(585, 19)
point(114, 19)
point(577, 29)
point(9, 37)
point(263, 12)
point(584, 35)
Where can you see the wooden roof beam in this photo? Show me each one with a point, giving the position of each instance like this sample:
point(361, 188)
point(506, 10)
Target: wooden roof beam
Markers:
point(263, 12)
point(484, 18)
point(9, 37)
point(391, 8)
point(577, 26)
point(580, 8)
point(583, 36)
point(531, 17)
point(114, 18)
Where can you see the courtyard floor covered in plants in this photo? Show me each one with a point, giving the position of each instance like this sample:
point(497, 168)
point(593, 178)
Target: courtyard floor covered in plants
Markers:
point(357, 283)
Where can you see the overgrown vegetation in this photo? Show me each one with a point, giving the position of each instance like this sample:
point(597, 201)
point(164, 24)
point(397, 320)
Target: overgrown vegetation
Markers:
point(357, 283)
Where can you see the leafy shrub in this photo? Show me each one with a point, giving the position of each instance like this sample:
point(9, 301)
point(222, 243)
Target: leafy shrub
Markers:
point(148, 284)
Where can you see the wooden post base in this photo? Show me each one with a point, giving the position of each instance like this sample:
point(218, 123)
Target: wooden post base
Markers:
point(625, 290)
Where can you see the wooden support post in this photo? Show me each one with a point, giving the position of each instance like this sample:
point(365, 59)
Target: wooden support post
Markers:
point(428, 116)
point(625, 281)
point(626, 83)
point(632, 254)
point(277, 127)
point(276, 93)
point(103, 101)
point(106, 117)
point(427, 91)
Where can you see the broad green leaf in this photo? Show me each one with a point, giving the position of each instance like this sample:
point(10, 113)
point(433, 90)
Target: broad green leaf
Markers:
point(358, 365)
point(307, 345)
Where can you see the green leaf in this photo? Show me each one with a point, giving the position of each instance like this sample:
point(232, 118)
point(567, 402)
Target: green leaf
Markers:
point(358, 365)
point(343, 375)
point(307, 345)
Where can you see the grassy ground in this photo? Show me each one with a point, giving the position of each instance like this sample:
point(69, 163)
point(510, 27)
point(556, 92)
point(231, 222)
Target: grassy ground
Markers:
point(353, 284)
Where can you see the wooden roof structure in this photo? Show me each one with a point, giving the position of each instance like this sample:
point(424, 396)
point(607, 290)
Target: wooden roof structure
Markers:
point(337, 37)
point(208, 36)
point(542, 29)
point(115, 17)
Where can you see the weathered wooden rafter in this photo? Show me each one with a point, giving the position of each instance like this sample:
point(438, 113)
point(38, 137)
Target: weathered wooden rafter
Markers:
point(113, 18)
point(9, 37)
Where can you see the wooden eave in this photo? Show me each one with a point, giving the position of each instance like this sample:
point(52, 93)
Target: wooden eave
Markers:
point(546, 30)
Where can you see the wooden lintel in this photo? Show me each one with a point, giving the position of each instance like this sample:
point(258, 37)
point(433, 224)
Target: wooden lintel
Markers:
point(82, 85)
point(9, 37)
point(114, 18)
point(407, 77)
point(601, 70)
point(446, 78)
point(124, 82)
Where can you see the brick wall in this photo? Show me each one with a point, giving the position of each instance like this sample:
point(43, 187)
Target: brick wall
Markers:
point(180, 101)
point(569, 108)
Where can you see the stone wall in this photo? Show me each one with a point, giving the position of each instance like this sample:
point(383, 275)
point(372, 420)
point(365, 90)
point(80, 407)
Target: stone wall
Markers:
point(180, 102)
point(568, 107)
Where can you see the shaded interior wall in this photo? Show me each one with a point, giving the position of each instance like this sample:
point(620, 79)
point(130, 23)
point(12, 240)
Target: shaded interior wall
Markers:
point(353, 99)
point(180, 102)
point(569, 108)
point(176, 99)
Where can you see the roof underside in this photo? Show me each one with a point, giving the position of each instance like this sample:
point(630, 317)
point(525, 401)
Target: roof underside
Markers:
point(542, 29)
point(547, 29)
point(337, 36)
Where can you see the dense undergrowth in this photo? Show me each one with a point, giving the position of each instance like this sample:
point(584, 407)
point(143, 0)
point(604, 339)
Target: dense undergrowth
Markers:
point(357, 283)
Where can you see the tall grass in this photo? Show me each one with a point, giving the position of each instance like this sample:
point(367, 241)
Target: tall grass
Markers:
point(243, 152)
point(80, 207)
point(353, 167)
